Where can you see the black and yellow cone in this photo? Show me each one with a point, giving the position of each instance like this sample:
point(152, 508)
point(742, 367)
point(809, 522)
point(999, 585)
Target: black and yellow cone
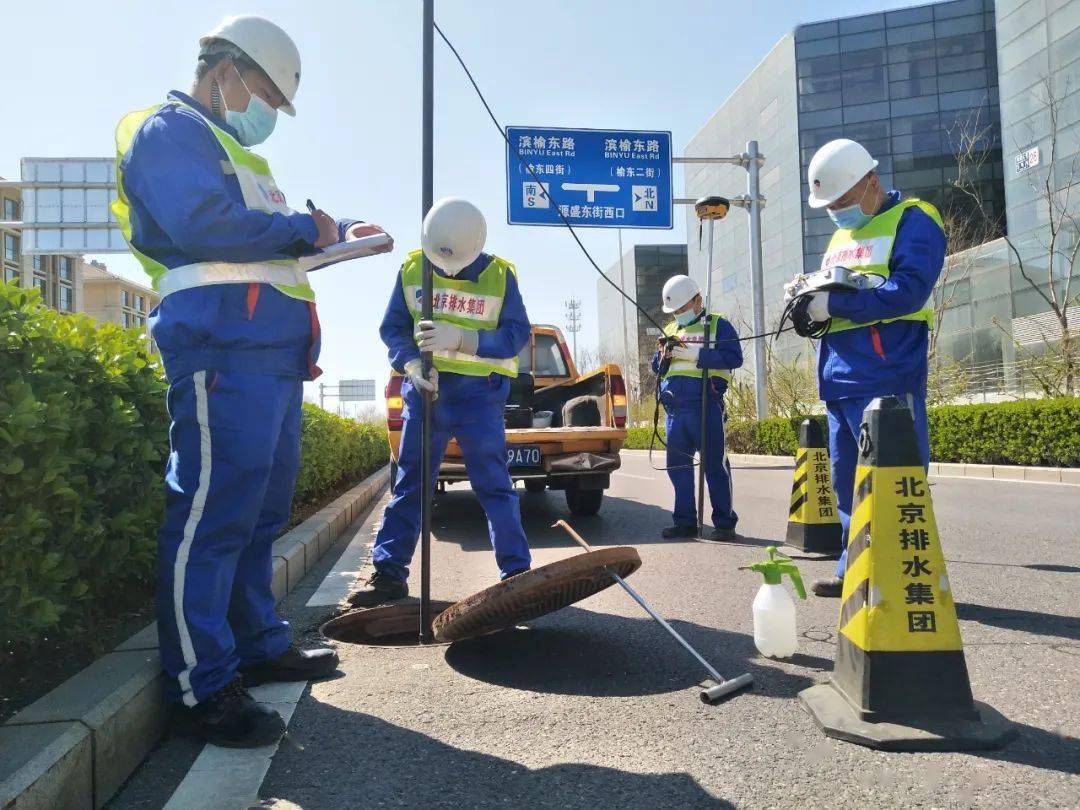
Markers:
point(813, 521)
point(900, 681)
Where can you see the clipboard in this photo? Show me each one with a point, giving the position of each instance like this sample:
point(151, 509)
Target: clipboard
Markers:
point(344, 251)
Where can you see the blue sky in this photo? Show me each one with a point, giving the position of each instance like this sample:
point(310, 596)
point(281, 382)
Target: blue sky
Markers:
point(73, 68)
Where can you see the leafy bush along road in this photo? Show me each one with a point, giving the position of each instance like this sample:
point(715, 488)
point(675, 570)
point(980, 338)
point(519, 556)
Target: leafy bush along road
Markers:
point(1044, 432)
point(83, 446)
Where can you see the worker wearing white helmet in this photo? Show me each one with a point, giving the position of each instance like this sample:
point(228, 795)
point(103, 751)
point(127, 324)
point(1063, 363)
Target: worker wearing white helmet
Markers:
point(239, 334)
point(877, 338)
point(478, 327)
point(680, 362)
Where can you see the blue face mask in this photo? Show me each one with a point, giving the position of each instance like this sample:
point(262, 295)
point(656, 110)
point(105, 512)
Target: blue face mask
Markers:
point(853, 217)
point(253, 125)
point(686, 318)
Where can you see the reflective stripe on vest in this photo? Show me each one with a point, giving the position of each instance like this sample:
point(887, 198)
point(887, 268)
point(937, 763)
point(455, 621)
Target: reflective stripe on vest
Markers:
point(473, 305)
point(694, 333)
point(868, 251)
point(260, 193)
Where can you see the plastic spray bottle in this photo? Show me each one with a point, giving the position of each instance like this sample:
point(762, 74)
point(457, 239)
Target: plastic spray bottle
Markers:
point(775, 631)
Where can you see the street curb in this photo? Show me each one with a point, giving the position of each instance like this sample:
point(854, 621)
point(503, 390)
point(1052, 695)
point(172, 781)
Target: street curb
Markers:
point(77, 745)
point(998, 472)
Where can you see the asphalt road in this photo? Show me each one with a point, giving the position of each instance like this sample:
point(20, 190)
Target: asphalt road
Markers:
point(595, 706)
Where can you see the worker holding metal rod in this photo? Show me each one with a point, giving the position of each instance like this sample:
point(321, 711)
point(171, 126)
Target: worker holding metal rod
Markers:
point(681, 360)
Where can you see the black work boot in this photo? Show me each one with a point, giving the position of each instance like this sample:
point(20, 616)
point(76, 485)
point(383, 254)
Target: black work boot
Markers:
point(231, 718)
point(831, 587)
point(379, 589)
point(515, 573)
point(677, 531)
point(724, 535)
point(293, 665)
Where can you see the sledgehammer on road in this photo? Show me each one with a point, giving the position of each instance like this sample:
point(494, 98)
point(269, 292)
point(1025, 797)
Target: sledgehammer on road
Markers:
point(711, 694)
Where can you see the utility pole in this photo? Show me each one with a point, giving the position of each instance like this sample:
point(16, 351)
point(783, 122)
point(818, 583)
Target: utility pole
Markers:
point(631, 361)
point(573, 321)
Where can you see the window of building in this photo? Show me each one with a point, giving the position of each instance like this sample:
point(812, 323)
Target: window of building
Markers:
point(42, 285)
point(64, 298)
point(11, 247)
point(38, 261)
point(11, 274)
point(913, 87)
point(911, 33)
point(818, 66)
point(11, 210)
point(140, 303)
point(125, 298)
point(63, 267)
point(127, 319)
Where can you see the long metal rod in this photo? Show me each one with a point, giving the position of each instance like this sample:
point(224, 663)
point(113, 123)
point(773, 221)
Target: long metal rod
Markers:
point(705, 391)
point(757, 283)
point(737, 160)
point(425, 441)
point(648, 609)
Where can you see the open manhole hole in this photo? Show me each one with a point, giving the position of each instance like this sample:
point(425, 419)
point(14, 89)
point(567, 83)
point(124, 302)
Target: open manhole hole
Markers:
point(386, 626)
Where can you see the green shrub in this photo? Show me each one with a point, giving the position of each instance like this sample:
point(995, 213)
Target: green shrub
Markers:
point(336, 450)
point(1040, 432)
point(83, 439)
point(83, 445)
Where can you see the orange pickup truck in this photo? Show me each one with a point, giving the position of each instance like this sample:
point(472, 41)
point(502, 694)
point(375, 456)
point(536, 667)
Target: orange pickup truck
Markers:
point(577, 424)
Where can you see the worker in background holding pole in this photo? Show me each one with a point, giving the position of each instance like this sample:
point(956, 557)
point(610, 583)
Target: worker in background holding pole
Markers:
point(238, 334)
point(878, 339)
point(479, 327)
point(680, 362)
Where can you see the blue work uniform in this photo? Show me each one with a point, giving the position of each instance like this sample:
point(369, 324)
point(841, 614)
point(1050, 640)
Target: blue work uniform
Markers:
point(681, 398)
point(236, 356)
point(857, 365)
point(469, 409)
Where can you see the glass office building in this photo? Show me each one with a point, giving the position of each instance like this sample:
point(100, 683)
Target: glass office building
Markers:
point(916, 86)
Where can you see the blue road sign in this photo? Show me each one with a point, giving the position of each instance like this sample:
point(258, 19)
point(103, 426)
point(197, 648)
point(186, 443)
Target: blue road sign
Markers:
point(596, 178)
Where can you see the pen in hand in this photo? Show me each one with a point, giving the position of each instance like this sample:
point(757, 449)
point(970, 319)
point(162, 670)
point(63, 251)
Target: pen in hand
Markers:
point(311, 207)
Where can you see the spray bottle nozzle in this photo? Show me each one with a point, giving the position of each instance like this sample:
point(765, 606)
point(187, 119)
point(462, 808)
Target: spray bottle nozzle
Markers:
point(776, 566)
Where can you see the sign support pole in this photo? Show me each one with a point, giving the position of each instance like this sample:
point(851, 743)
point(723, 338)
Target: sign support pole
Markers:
point(425, 442)
point(757, 283)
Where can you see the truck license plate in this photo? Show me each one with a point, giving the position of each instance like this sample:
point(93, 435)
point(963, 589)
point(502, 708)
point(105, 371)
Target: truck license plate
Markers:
point(523, 456)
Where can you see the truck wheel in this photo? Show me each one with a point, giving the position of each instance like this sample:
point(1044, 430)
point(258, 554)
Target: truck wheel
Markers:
point(583, 502)
point(393, 476)
point(535, 485)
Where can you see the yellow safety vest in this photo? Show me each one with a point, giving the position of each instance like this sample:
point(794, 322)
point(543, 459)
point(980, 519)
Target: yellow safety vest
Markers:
point(694, 333)
point(473, 305)
point(868, 249)
point(260, 194)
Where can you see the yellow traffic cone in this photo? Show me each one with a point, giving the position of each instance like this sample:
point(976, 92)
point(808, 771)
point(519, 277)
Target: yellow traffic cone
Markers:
point(900, 681)
point(813, 521)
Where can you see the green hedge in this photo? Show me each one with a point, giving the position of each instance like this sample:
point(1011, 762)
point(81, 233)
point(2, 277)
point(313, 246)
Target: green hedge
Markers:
point(1044, 432)
point(334, 450)
point(1037, 432)
point(83, 444)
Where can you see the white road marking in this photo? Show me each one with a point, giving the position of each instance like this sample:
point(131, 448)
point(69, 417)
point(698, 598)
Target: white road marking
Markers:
point(230, 778)
point(1003, 480)
point(336, 584)
point(621, 474)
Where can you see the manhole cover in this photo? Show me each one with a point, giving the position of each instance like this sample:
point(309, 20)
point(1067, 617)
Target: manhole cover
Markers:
point(386, 626)
point(535, 593)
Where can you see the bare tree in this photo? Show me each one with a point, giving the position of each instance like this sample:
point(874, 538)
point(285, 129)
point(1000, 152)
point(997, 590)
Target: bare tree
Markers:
point(1059, 242)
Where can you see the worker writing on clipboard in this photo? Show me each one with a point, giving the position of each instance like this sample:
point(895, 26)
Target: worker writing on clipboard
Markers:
point(239, 334)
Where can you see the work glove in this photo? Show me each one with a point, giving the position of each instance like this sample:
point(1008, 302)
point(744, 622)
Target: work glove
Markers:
point(415, 370)
point(818, 308)
point(435, 336)
point(688, 353)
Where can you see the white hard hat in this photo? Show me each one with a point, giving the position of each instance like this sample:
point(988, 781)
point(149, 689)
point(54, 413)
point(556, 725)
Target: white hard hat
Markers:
point(678, 292)
point(453, 234)
point(268, 46)
point(835, 169)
